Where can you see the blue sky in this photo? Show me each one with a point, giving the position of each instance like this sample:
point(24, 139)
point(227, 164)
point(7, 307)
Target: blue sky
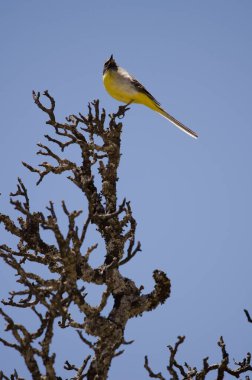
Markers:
point(191, 199)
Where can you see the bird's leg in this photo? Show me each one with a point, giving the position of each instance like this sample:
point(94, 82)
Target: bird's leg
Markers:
point(128, 104)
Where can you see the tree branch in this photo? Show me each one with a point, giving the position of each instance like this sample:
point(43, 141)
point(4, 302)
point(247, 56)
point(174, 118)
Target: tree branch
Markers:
point(50, 297)
point(186, 372)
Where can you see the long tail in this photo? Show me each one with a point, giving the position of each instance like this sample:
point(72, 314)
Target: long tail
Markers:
point(176, 122)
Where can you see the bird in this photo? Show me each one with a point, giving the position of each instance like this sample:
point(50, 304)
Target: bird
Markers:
point(125, 88)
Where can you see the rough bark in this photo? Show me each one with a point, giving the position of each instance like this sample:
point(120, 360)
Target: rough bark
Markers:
point(66, 259)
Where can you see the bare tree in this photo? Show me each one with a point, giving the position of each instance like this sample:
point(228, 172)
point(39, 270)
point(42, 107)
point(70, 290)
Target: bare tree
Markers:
point(50, 299)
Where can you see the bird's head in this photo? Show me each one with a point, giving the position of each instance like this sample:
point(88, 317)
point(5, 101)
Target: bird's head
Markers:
point(110, 64)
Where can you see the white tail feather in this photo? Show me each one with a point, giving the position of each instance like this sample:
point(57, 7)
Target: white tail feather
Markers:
point(177, 123)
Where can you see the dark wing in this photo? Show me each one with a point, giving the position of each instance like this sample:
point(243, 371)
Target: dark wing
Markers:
point(142, 89)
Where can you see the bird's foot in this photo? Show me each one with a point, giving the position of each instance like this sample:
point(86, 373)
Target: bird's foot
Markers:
point(123, 109)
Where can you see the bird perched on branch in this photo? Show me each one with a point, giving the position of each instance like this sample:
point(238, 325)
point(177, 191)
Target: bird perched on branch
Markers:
point(125, 88)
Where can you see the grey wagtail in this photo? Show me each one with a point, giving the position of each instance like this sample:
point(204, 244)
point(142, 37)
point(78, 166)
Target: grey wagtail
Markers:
point(125, 88)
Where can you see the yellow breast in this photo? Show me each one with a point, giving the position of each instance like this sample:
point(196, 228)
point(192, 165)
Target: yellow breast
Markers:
point(119, 88)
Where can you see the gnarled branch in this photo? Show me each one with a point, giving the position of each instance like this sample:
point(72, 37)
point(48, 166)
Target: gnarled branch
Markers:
point(186, 372)
point(68, 259)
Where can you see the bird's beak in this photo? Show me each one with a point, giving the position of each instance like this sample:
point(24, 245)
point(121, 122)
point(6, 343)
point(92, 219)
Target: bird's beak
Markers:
point(111, 58)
